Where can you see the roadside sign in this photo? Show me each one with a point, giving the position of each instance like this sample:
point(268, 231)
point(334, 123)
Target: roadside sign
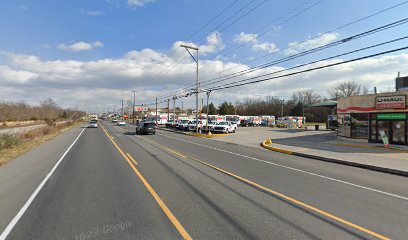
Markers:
point(384, 139)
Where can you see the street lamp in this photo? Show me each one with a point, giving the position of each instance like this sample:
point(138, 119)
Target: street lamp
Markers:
point(197, 84)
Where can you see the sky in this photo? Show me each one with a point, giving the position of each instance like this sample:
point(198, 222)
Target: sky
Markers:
point(90, 54)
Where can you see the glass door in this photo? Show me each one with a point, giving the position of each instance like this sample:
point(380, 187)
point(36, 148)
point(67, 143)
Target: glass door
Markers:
point(384, 126)
point(398, 132)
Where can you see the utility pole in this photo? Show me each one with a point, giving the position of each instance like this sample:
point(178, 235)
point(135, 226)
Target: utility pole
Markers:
point(133, 112)
point(174, 107)
point(208, 109)
point(123, 115)
point(197, 83)
point(282, 101)
point(156, 111)
point(182, 107)
point(168, 109)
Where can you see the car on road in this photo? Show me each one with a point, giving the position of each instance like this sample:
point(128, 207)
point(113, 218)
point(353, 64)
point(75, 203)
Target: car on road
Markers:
point(93, 124)
point(183, 124)
point(146, 128)
point(114, 120)
point(225, 127)
point(121, 123)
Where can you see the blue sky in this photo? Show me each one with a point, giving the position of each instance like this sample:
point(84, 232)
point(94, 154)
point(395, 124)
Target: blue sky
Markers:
point(72, 37)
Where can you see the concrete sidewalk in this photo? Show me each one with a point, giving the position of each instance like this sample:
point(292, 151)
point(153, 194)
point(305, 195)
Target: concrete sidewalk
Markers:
point(370, 156)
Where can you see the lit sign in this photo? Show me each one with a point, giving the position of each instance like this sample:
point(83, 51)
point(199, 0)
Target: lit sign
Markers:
point(390, 102)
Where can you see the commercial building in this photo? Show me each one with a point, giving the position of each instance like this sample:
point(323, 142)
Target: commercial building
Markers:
point(370, 116)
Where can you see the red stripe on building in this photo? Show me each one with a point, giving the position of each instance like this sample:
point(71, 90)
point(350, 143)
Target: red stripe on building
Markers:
point(361, 109)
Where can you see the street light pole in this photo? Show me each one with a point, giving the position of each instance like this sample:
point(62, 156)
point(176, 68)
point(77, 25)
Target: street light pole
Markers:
point(133, 112)
point(197, 83)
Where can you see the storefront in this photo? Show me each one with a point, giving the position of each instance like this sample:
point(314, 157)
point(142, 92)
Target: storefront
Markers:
point(369, 116)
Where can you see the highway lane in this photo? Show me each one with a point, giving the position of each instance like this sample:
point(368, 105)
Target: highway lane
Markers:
point(374, 210)
point(94, 194)
point(96, 191)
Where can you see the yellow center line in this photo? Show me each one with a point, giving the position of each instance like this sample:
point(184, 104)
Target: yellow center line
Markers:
point(156, 197)
point(282, 196)
point(131, 158)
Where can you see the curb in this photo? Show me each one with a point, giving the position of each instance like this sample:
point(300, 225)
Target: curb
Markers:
point(333, 160)
point(194, 134)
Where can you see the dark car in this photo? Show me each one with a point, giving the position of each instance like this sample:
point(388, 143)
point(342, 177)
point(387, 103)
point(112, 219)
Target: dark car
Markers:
point(146, 128)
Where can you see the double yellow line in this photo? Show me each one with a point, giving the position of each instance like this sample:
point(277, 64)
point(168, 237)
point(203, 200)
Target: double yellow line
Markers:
point(156, 197)
point(280, 195)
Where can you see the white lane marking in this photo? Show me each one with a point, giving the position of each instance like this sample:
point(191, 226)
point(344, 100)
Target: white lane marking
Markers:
point(20, 213)
point(294, 169)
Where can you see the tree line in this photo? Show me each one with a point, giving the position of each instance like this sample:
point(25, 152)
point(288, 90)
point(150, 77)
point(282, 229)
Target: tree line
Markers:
point(296, 105)
point(47, 110)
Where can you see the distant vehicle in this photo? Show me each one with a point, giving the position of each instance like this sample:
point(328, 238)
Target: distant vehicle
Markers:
point(114, 120)
point(225, 127)
point(183, 124)
point(122, 123)
point(169, 123)
point(146, 128)
point(244, 123)
point(93, 124)
point(211, 125)
point(94, 117)
point(192, 125)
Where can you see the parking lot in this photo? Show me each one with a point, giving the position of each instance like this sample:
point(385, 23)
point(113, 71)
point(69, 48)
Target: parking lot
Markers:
point(253, 136)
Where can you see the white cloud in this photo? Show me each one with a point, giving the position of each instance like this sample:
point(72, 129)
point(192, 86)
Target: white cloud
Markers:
point(139, 3)
point(15, 76)
point(104, 81)
point(90, 13)
point(245, 37)
point(269, 47)
point(256, 44)
point(310, 43)
point(80, 46)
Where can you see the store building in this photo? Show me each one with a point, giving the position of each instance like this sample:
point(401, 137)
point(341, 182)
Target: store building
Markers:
point(366, 116)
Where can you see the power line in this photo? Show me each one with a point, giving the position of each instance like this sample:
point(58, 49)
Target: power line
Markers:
point(311, 69)
point(315, 37)
point(285, 59)
point(185, 89)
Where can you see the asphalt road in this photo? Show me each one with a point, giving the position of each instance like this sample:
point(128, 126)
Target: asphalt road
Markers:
point(113, 184)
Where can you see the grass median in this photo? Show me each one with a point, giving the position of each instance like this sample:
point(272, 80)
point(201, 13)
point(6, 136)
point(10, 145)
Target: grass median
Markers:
point(14, 145)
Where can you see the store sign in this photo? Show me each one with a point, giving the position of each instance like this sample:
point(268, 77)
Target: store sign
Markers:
point(390, 102)
point(391, 116)
point(141, 109)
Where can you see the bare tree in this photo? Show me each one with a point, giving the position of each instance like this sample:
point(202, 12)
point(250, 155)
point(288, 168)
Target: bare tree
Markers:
point(347, 89)
point(306, 97)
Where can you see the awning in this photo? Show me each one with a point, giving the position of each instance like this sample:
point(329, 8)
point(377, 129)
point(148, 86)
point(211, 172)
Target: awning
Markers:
point(329, 103)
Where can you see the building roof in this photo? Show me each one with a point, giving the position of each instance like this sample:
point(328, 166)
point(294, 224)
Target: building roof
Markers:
point(328, 103)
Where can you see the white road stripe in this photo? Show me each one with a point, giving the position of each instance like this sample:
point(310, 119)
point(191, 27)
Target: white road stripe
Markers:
point(294, 169)
point(20, 213)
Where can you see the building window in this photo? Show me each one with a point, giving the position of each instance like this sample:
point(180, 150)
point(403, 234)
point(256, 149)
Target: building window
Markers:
point(359, 125)
point(343, 128)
